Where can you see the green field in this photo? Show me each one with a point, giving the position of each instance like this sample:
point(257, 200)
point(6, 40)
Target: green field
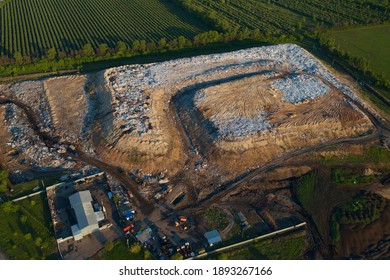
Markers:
point(372, 43)
point(26, 231)
point(286, 248)
point(34, 26)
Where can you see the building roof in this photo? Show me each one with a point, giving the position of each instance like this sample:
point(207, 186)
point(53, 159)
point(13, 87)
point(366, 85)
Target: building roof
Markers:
point(144, 236)
point(213, 237)
point(82, 206)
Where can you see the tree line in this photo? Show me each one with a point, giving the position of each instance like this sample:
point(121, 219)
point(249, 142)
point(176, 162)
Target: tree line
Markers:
point(54, 60)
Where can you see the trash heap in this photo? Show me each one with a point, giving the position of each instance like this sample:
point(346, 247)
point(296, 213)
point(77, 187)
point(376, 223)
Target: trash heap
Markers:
point(27, 143)
point(131, 86)
point(298, 88)
point(33, 94)
point(130, 103)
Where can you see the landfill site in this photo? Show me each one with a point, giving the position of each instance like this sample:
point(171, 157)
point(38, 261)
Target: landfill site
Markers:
point(180, 137)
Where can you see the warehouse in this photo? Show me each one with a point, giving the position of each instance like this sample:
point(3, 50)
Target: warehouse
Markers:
point(87, 218)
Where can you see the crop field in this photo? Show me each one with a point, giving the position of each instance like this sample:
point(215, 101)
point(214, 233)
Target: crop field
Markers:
point(371, 43)
point(34, 26)
point(285, 16)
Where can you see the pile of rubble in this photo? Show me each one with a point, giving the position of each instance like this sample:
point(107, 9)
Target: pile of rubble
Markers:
point(26, 142)
point(228, 128)
point(130, 103)
point(33, 94)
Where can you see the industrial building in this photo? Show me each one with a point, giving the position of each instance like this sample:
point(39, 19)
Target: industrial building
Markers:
point(87, 219)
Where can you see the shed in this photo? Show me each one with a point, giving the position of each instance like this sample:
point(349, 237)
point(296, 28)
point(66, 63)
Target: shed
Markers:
point(213, 237)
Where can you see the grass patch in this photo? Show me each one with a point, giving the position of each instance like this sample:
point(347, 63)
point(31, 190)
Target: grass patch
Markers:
point(346, 176)
point(371, 43)
point(373, 154)
point(120, 251)
point(216, 219)
point(286, 248)
point(27, 187)
point(25, 230)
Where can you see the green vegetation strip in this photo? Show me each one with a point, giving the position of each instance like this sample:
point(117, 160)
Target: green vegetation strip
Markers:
point(373, 154)
point(26, 231)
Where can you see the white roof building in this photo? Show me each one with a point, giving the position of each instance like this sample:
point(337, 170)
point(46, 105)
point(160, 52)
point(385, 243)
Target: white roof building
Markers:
point(87, 218)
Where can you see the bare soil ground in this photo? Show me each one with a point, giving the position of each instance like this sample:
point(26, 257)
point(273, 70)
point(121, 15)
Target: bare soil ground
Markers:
point(69, 104)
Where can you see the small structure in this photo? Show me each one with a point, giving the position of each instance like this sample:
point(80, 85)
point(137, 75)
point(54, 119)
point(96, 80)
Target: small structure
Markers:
point(87, 218)
point(145, 235)
point(213, 237)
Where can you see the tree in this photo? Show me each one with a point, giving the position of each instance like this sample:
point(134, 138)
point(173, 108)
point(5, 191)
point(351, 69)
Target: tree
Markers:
point(120, 48)
point(177, 256)
point(181, 42)
point(135, 46)
point(142, 46)
point(23, 219)
point(87, 50)
point(162, 43)
point(102, 49)
point(38, 242)
point(108, 246)
point(51, 54)
point(3, 181)
point(135, 248)
point(61, 55)
point(10, 207)
point(18, 57)
point(147, 255)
